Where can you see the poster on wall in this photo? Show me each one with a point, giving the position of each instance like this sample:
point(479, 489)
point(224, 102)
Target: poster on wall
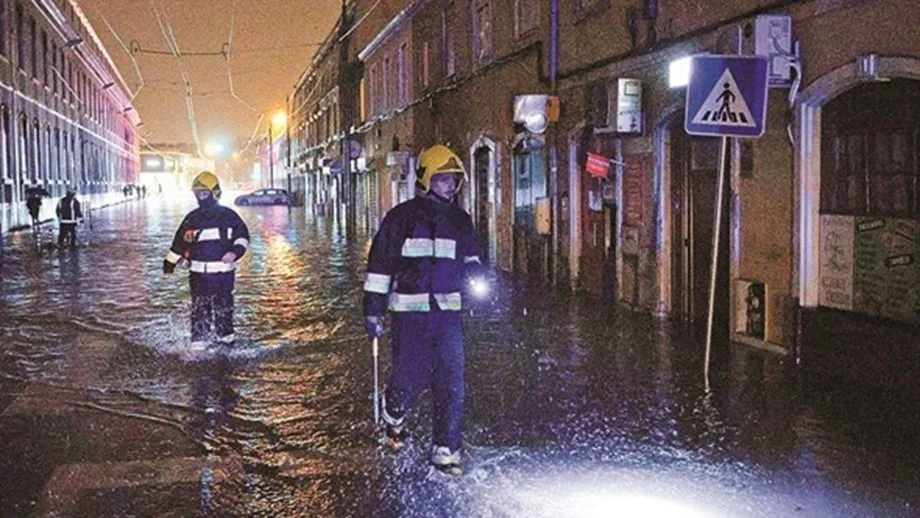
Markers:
point(886, 281)
point(870, 265)
point(836, 277)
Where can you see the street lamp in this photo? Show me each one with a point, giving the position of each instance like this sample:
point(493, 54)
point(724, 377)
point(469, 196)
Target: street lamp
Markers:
point(278, 120)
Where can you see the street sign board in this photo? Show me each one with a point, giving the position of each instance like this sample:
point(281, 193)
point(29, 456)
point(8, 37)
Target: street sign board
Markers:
point(727, 96)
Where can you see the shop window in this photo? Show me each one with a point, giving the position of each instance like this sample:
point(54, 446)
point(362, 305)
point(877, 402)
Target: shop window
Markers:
point(529, 182)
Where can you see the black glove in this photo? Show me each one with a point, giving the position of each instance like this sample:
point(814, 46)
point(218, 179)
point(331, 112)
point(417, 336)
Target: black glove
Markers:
point(168, 267)
point(374, 326)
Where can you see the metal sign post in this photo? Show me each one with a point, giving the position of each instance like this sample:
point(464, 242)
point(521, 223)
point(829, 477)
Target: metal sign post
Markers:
point(726, 97)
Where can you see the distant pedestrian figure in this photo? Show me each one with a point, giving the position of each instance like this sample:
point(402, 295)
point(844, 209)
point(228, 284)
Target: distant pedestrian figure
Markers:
point(69, 215)
point(34, 204)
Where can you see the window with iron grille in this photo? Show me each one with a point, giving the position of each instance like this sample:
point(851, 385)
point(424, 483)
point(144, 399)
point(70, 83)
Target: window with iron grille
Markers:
point(870, 145)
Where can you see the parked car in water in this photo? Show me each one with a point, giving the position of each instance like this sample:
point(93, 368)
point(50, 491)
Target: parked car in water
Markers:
point(264, 197)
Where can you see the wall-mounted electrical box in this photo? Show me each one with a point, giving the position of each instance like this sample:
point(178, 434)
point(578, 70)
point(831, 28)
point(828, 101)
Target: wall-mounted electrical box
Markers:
point(629, 106)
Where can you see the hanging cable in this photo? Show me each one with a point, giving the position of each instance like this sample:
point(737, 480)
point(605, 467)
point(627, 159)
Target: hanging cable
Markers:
point(229, 55)
point(173, 44)
point(358, 23)
point(137, 68)
point(254, 132)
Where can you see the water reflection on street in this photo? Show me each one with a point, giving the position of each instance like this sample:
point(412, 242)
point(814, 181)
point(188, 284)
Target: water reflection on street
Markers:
point(574, 408)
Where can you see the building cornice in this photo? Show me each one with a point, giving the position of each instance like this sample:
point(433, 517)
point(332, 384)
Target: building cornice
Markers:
point(105, 69)
point(391, 28)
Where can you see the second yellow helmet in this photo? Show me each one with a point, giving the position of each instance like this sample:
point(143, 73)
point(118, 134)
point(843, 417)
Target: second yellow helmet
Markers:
point(439, 159)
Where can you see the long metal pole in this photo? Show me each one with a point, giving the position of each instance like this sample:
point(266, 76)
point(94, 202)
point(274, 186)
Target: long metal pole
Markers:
point(375, 349)
point(715, 259)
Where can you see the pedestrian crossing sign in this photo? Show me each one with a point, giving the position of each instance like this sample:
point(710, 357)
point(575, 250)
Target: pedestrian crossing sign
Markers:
point(727, 96)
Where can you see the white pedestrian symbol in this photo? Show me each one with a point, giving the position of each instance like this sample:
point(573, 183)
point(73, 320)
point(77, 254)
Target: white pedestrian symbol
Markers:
point(725, 106)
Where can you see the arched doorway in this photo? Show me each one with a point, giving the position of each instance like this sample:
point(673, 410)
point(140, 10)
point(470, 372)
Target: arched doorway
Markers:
point(592, 217)
point(858, 169)
point(484, 161)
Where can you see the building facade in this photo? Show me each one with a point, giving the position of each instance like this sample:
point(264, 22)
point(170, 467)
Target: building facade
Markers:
point(818, 239)
point(66, 117)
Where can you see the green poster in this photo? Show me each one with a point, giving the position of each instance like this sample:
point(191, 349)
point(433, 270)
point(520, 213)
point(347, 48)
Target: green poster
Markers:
point(885, 268)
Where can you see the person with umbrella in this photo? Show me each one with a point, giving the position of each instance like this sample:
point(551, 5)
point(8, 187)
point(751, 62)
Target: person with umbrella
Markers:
point(34, 202)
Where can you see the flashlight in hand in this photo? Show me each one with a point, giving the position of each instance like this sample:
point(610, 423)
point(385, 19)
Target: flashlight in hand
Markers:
point(479, 287)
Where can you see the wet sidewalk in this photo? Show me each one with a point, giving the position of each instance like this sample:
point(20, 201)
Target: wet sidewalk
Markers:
point(574, 408)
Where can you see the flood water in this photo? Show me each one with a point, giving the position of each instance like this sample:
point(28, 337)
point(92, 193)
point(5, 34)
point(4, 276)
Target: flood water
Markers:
point(574, 407)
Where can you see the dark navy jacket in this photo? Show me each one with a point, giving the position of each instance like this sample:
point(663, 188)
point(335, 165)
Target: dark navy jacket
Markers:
point(205, 235)
point(420, 258)
point(68, 210)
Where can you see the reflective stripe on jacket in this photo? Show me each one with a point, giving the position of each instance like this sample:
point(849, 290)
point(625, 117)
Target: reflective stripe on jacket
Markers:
point(420, 258)
point(206, 235)
point(68, 210)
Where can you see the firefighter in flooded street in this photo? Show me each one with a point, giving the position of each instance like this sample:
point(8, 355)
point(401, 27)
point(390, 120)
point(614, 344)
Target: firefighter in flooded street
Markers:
point(421, 260)
point(69, 215)
point(210, 241)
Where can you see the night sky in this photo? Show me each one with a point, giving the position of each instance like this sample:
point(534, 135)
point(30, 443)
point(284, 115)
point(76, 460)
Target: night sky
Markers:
point(272, 43)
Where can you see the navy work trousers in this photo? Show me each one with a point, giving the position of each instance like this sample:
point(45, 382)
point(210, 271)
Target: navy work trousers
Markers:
point(428, 353)
point(67, 235)
point(212, 305)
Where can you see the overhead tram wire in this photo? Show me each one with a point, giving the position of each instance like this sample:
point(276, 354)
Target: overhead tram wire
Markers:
point(229, 56)
point(137, 68)
point(226, 52)
point(359, 22)
point(173, 44)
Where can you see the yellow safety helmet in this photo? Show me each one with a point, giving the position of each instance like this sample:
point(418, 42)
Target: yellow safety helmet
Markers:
point(439, 159)
point(206, 180)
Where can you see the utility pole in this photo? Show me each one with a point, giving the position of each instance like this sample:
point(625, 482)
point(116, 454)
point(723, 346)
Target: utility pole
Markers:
point(271, 156)
point(345, 111)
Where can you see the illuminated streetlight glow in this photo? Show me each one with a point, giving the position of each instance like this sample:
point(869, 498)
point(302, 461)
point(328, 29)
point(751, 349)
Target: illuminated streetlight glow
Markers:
point(679, 72)
point(214, 149)
point(279, 119)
